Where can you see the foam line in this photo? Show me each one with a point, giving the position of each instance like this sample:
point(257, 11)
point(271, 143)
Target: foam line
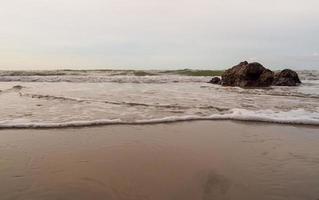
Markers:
point(298, 117)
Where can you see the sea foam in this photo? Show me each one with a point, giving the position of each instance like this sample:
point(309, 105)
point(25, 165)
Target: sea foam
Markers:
point(297, 117)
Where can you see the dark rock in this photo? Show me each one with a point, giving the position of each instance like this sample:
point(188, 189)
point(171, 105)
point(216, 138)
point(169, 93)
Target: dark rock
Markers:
point(17, 87)
point(286, 77)
point(248, 75)
point(215, 80)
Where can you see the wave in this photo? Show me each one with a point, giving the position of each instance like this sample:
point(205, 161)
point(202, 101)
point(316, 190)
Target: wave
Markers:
point(108, 79)
point(110, 72)
point(295, 117)
point(80, 100)
point(124, 76)
point(282, 93)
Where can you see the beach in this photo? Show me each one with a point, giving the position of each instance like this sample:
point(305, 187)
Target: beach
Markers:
point(156, 135)
point(186, 160)
point(159, 100)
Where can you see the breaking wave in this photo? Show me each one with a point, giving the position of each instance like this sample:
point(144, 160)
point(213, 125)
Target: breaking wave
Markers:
point(296, 117)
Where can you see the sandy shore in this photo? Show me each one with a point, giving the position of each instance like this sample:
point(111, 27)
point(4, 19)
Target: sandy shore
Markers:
point(190, 161)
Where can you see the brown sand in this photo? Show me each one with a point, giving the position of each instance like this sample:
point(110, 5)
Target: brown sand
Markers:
point(181, 161)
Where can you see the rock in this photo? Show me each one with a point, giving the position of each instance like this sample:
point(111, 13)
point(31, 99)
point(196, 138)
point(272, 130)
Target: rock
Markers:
point(17, 87)
point(215, 80)
point(286, 77)
point(248, 75)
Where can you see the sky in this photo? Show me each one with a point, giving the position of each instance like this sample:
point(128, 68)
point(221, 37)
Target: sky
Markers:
point(158, 34)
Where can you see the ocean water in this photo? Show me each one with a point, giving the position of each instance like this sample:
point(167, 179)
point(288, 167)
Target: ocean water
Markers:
point(51, 99)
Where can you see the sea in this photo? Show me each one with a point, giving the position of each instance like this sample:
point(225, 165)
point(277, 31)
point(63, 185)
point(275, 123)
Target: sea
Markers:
point(77, 98)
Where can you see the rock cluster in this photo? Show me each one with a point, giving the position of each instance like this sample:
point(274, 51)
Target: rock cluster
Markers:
point(255, 75)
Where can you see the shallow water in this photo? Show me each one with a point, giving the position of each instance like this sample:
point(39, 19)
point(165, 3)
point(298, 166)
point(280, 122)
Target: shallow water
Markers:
point(89, 98)
point(189, 160)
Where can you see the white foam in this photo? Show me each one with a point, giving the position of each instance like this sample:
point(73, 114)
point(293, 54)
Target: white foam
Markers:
point(7, 124)
point(298, 117)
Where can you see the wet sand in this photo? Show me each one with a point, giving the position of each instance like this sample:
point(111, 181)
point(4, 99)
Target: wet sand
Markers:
point(201, 160)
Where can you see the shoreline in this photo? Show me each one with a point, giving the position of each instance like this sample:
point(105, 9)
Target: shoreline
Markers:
point(92, 124)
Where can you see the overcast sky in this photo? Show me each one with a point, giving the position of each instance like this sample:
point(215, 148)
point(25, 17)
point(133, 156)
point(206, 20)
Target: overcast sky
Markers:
point(165, 34)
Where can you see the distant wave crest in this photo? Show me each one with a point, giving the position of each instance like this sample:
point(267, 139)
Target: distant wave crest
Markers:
point(123, 76)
